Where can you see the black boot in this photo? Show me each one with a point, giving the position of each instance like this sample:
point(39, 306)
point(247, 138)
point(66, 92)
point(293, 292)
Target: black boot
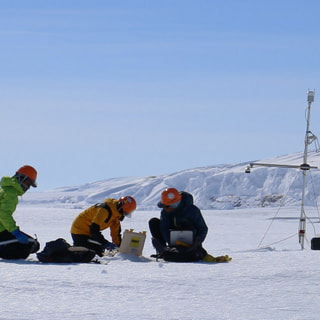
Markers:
point(159, 246)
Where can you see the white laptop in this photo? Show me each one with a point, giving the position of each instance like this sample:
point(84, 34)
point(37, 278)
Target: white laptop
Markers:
point(185, 236)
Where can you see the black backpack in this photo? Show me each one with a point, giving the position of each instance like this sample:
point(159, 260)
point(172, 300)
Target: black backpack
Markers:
point(60, 251)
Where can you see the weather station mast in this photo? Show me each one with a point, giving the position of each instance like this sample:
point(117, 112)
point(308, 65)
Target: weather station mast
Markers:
point(309, 138)
point(304, 167)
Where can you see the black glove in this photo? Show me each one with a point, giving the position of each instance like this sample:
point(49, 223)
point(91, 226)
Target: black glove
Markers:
point(96, 234)
point(172, 250)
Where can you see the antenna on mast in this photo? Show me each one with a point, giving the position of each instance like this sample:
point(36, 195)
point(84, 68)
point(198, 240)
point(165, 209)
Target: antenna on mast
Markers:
point(310, 137)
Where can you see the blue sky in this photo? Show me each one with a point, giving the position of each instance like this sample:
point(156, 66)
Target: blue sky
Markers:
point(92, 90)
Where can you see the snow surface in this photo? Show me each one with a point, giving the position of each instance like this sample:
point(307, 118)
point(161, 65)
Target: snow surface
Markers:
point(271, 280)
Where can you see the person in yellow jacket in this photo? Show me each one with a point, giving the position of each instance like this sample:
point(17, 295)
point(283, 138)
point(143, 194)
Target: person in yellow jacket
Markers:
point(87, 226)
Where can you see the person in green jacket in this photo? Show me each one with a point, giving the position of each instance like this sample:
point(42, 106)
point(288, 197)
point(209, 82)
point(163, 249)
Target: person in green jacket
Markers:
point(15, 244)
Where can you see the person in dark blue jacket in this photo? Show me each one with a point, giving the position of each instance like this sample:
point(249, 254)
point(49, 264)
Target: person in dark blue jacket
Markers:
point(178, 213)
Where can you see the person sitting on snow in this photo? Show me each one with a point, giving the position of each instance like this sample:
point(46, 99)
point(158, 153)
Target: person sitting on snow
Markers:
point(87, 226)
point(179, 213)
point(15, 244)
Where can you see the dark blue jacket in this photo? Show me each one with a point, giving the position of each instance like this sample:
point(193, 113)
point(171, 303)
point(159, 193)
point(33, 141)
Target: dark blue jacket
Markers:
point(186, 217)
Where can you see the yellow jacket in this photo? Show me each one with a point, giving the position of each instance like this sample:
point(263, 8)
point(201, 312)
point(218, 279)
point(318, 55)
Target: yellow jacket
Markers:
point(105, 215)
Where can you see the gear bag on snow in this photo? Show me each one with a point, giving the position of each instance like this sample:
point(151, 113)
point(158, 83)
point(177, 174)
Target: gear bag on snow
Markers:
point(60, 251)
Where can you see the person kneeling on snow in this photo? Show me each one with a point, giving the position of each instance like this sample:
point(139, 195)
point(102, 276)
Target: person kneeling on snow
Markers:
point(87, 226)
point(178, 214)
point(15, 244)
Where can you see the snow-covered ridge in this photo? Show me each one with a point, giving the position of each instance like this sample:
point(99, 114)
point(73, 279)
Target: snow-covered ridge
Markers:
point(213, 187)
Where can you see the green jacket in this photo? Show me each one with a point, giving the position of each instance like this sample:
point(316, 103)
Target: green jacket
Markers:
point(9, 192)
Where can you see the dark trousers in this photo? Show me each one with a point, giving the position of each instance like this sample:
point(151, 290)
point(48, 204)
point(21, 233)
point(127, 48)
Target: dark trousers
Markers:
point(154, 226)
point(80, 240)
point(16, 250)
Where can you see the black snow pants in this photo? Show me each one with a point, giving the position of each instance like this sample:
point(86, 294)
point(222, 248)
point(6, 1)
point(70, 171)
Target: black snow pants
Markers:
point(16, 250)
point(81, 240)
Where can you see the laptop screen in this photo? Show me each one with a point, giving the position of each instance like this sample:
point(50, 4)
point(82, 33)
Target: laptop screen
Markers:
point(185, 236)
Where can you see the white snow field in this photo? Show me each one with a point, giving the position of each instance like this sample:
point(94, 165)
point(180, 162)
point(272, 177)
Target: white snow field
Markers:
point(280, 281)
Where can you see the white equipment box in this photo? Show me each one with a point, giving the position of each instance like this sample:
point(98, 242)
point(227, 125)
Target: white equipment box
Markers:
point(132, 242)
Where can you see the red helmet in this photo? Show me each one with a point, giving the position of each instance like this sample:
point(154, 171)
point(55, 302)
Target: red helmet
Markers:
point(170, 197)
point(29, 172)
point(127, 204)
